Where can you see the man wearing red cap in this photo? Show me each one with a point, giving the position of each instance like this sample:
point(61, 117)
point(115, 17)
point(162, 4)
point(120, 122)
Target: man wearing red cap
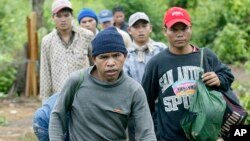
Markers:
point(170, 76)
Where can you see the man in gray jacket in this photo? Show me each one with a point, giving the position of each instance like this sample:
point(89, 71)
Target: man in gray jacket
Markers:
point(106, 99)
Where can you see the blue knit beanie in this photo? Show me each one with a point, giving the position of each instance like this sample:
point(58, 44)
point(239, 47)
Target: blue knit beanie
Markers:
point(108, 40)
point(87, 12)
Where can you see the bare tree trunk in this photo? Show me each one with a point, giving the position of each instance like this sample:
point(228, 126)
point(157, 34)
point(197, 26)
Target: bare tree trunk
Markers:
point(37, 6)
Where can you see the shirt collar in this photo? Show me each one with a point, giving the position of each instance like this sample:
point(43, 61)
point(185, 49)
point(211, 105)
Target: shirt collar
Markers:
point(149, 45)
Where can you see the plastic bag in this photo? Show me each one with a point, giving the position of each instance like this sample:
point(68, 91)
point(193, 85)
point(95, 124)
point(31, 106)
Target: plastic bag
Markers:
point(204, 117)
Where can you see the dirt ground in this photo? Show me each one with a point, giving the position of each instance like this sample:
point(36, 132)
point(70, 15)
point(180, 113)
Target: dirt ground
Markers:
point(19, 111)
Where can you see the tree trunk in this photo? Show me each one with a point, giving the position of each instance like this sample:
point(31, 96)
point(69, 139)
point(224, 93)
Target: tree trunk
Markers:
point(37, 6)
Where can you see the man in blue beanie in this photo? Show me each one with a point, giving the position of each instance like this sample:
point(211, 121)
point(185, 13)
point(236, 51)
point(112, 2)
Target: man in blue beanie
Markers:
point(87, 19)
point(106, 99)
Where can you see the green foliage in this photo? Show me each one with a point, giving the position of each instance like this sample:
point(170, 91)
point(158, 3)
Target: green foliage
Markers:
point(13, 36)
point(7, 73)
point(3, 121)
point(155, 10)
point(96, 5)
point(206, 21)
point(226, 30)
point(237, 12)
point(246, 104)
point(7, 77)
point(183, 3)
point(244, 95)
point(12, 25)
point(229, 47)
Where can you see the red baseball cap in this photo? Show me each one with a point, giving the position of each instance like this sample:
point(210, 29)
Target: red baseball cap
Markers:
point(176, 14)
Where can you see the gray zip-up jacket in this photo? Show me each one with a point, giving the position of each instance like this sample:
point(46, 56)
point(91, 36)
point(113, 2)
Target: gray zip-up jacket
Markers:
point(100, 110)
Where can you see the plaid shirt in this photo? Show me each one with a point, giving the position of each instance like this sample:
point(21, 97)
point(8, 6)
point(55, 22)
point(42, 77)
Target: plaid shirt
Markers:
point(58, 59)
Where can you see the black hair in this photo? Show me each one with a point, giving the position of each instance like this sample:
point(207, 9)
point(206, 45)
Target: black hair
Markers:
point(117, 9)
point(66, 9)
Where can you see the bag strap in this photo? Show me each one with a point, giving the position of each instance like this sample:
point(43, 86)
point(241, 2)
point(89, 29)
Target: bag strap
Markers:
point(201, 59)
point(204, 61)
point(201, 62)
point(76, 90)
point(80, 81)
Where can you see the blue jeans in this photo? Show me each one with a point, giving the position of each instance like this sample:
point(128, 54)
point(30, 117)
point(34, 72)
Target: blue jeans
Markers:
point(40, 126)
point(41, 118)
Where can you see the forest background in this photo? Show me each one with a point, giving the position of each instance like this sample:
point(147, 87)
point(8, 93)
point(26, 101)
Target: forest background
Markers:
point(222, 25)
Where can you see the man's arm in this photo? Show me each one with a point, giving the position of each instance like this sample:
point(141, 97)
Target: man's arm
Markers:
point(89, 56)
point(222, 73)
point(144, 129)
point(150, 84)
point(45, 71)
point(89, 37)
point(58, 117)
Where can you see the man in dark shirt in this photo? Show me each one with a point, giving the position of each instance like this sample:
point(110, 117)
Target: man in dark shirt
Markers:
point(170, 76)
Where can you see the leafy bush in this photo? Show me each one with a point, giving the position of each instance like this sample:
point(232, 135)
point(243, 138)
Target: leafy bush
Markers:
point(236, 12)
point(13, 25)
point(7, 77)
point(13, 35)
point(7, 73)
point(246, 104)
point(243, 92)
point(3, 121)
point(230, 44)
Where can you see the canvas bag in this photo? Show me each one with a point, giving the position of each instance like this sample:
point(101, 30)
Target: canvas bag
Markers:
point(203, 119)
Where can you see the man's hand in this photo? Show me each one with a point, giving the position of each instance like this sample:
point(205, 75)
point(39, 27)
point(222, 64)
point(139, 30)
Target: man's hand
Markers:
point(211, 79)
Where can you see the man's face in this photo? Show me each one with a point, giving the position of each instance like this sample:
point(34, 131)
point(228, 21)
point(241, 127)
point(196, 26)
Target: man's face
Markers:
point(63, 20)
point(109, 65)
point(118, 17)
point(106, 24)
point(178, 35)
point(88, 23)
point(140, 31)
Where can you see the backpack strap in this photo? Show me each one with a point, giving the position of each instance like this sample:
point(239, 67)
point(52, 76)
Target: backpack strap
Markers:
point(76, 90)
point(201, 62)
